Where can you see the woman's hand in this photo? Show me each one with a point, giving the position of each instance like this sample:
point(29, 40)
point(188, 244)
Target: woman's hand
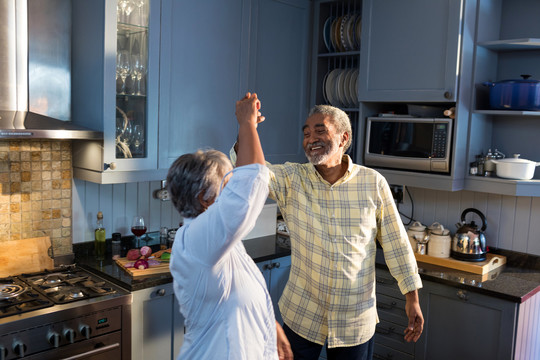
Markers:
point(283, 345)
point(247, 109)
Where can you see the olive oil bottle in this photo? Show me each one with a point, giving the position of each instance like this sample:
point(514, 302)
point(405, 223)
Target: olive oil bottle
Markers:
point(99, 244)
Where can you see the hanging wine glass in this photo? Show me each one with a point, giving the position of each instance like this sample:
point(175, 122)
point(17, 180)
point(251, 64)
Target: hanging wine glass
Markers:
point(123, 67)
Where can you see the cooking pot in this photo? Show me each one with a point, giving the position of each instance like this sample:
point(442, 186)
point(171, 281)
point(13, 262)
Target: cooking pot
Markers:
point(519, 94)
point(469, 243)
point(516, 168)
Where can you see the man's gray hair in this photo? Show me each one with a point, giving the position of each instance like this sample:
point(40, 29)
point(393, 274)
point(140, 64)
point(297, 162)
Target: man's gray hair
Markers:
point(338, 117)
point(193, 174)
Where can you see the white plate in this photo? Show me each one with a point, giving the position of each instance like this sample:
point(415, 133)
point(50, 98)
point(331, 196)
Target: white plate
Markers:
point(330, 87)
point(343, 32)
point(358, 28)
point(324, 87)
point(354, 86)
point(347, 87)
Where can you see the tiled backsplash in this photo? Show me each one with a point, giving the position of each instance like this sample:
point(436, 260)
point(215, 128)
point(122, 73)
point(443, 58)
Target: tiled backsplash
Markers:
point(35, 191)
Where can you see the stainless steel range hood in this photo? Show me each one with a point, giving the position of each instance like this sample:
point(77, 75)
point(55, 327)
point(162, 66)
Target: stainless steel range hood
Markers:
point(35, 71)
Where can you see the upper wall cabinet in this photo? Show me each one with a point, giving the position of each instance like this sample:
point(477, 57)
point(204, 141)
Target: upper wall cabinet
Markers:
point(213, 53)
point(507, 47)
point(410, 50)
point(115, 82)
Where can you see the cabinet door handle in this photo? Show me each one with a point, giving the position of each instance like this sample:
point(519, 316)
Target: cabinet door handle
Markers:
point(462, 294)
point(380, 357)
point(160, 292)
point(388, 331)
point(447, 95)
point(386, 306)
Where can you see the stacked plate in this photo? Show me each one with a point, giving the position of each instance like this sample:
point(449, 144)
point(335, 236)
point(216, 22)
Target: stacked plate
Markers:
point(340, 87)
point(342, 33)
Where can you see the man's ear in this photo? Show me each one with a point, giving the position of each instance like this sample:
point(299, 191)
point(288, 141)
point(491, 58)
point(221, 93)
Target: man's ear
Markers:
point(344, 139)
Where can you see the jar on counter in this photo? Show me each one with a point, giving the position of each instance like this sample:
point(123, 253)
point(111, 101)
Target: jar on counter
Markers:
point(171, 236)
point(116, 242)
point(163, 237)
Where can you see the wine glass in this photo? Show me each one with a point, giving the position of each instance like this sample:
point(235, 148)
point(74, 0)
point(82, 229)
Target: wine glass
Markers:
point(138, 228)
point(123, 67)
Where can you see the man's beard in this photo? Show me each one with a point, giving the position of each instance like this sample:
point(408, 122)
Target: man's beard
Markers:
point(329, 149)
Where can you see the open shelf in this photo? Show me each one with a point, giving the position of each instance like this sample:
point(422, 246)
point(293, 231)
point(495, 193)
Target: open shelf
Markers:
point(512, 44)
point(508, 112)
point(503, 186)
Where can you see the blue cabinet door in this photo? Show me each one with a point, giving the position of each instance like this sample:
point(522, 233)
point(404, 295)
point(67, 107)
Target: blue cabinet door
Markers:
point(410, 50)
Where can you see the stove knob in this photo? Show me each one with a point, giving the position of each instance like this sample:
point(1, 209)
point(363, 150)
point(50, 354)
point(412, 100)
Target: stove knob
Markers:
point(19, 348)
point(3, 353)
point(54, 338)
point(85, 331)
point(69, 334)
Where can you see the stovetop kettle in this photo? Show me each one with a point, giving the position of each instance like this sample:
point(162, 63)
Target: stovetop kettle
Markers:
point(469, 243)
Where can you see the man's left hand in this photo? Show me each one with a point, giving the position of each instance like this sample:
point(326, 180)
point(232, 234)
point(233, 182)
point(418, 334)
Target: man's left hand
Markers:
point(416, 319)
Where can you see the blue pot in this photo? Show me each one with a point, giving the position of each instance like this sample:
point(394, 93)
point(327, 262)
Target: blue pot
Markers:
point(523, 94)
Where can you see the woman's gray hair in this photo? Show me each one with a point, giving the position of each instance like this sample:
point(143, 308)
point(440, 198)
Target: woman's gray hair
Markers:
point(338, 117)
point(193, 174)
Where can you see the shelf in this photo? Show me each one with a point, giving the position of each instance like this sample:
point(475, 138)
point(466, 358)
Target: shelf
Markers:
point(503, 186)
point(421, 180)
point(345, 53)
point(508, 112)
point(512, 44)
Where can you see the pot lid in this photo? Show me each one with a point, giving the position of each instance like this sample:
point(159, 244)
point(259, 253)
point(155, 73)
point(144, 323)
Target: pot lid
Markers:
point(515, 160)
point(417, 226)
point(525, 80)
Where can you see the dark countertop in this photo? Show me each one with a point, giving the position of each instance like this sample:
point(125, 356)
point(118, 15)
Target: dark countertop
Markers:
point(516, 281)
point(260, 249)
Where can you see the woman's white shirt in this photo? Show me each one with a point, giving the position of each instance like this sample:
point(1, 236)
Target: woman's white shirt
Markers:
point(222, 293)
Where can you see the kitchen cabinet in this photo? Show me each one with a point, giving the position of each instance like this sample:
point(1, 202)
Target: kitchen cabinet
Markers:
point(389, 342)
point(157, 327)
point(276, 275)
point(216, 51)
point(410, 51)
point(507, 46)
point(115, 84)
point(461, 324)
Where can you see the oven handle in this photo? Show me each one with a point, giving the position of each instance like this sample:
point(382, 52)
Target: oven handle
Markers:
point(93, 352)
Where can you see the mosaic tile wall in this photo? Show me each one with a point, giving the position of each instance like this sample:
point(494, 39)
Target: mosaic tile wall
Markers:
point(35, 191)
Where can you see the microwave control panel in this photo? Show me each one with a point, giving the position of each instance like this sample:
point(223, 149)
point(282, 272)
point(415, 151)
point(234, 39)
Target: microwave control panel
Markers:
point(440, 134)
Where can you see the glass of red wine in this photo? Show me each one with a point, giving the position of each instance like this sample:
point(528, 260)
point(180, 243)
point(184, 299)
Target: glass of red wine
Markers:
point(138, 228)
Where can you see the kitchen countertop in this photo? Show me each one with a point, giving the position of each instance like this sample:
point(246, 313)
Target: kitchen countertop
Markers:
point(260, 249)
point(516, 281)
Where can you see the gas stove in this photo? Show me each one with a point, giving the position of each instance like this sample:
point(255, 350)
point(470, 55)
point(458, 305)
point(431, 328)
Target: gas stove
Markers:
point(61, 313)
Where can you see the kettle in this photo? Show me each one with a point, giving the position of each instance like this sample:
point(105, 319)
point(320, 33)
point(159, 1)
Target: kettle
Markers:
point(469, 243)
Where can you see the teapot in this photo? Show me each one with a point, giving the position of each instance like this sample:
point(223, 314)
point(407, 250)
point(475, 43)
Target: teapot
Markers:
point(469, 243)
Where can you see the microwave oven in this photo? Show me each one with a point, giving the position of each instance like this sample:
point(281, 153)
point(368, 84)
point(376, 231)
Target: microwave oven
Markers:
point(417, 144)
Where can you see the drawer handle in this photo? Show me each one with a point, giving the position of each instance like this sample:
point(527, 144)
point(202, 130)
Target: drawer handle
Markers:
point(383, 331)
point(380, 357)
point(382, 305)
point(462, 294)
point(384, 281)
point(160, 292)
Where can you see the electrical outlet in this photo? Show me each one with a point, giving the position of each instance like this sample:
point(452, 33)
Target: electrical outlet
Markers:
point(397, 193)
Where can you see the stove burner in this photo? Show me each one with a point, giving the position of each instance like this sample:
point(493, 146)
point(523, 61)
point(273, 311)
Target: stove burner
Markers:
point(67, 284)
point(10, 290)
point(17, 297)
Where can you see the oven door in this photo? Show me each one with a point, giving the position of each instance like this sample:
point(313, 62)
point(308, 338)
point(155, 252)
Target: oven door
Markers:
point(103, 347)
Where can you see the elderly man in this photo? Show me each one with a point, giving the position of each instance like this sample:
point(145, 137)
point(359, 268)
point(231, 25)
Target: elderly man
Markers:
point(335, 211)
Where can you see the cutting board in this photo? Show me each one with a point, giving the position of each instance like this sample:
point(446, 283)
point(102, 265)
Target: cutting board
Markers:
point(481, 267)
point(162, 268)
point(25, 256)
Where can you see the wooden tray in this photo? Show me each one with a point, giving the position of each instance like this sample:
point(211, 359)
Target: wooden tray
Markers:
point(162, 268)
point(481, 267)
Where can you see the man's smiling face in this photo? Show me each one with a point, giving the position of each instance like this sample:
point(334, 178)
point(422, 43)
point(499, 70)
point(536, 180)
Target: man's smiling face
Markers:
point(321, 142)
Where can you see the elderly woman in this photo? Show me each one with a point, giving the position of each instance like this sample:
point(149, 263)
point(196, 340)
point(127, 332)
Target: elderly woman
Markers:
point(222, 294)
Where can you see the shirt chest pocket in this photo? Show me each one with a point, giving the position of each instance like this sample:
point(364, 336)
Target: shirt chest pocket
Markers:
point(363, 224)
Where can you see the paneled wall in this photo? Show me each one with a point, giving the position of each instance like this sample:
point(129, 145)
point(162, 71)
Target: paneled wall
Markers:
point(119, 203)
point(513, 223)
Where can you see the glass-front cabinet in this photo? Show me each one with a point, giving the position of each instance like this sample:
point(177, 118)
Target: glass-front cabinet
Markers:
point(115, 80)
